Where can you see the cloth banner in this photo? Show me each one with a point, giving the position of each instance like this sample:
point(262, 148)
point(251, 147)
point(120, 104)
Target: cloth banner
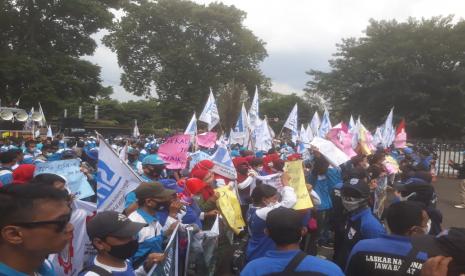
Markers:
point(272, 180)
point(296, 172)
point(229, 206)
point(223, 163)
point(169, 266)
point(115, 179)
point(71, 171)
point(332, 153)
point(174, 151)
point(207, 139)
point(79, 251)
point(196, 157)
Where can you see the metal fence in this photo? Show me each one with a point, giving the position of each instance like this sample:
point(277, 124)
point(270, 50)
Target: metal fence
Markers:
point(445, 151)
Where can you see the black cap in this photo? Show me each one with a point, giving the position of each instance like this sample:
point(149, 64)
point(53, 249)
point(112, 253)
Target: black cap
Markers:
point(284, 225)
point(152, 190)
point(355, 188)
point(412, 184)
point(111, 223)
point(450, 243)
point(423, 190)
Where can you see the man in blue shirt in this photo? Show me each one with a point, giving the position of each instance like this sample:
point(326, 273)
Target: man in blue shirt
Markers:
point(361, 223)
point(392, 254)
point(287, 233)
point(34, 223)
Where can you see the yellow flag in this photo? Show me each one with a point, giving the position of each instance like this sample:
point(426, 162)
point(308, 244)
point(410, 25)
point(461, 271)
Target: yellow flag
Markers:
point(297, 181)
point(230, 208)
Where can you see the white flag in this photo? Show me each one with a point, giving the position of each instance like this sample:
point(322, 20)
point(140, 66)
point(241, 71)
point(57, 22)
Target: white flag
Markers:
point(325, 125)
point(42, 121)
point(223, 162)
point(304, 139)
point(254, 116)
point(291, 122)
point(135, 132)
point(115, 179)
point(263, 136)
point(309, 133)
point(388, 131)
point(49, 131)
point(192, 126)
point(210, 113)
point(351, 123)
point(378, 138)
point(315, 124)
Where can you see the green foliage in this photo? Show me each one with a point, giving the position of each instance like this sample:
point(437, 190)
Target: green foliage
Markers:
point(416, 66)
point(180, 49)
point(40, 47)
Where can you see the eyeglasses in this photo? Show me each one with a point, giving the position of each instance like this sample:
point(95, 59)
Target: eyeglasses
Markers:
point(60, 224)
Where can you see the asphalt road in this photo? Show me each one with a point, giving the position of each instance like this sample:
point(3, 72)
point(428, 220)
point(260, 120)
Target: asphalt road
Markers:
point(448, 191)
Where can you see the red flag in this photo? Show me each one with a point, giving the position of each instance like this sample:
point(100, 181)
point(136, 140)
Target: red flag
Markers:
point(400, 127)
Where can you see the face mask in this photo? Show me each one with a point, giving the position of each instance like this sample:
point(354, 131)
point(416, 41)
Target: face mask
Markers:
point(162, 206)
point(352, 203)
point(124, 251)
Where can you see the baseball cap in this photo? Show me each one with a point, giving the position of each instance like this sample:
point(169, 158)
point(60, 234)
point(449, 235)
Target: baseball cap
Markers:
point(355, 188)
point(153, 159)
point(112, 223)
point(152, 190)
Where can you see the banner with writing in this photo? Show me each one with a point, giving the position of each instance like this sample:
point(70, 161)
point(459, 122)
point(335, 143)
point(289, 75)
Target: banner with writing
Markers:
point(230, 208)
point(297, 181)
point(169, 266)
point(272, 180)
point(71, 171)
point(174, 151)
point(196, 157)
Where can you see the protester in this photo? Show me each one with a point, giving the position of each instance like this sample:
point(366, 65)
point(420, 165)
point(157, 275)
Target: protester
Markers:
point(361, 224)
point(34, 223)
point(112, 235)
point(461, 175)
point(287, 257)
point(7, 161)
point(265, 199)
point(23, 173)
point(392, 254)
point(153, 198)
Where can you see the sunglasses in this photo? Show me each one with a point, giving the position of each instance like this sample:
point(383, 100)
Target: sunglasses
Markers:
point(60, 224)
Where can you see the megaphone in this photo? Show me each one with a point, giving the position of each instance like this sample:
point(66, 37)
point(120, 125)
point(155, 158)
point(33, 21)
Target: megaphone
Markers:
point(36, 116)
point(6, 115)
point(21, 116)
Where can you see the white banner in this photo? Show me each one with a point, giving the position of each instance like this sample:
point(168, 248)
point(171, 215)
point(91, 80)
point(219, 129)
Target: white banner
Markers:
point(115, 179)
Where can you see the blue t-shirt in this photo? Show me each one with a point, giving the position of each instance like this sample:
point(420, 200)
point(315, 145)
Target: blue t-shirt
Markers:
point(324, 185)
point(276, 261)
point(46, 269)
point(6, 177)
point(259, 243)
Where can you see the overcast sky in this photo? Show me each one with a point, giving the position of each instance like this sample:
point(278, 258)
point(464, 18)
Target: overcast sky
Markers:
point(301, 34)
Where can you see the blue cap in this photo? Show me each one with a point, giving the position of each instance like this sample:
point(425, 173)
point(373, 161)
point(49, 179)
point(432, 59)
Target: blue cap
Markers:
point(408, 150)
point(152, 159)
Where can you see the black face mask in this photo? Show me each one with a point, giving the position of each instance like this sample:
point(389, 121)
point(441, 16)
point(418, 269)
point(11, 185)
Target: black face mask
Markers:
point(163, 206)
point(124, 251)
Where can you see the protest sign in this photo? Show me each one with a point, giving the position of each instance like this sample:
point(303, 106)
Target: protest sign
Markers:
point(230, 208)
point(297, 181)
point(71, 171)
point(332, 153)
point(206, 139)
point(115, 179)
point(196, 157)
point(174, 151)
point(169, 266)
point(272, 180)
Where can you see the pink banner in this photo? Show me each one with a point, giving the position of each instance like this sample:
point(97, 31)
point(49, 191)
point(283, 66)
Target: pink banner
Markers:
point(401, 140)
point(206, 139)
point(174, 151)
point(342, 140)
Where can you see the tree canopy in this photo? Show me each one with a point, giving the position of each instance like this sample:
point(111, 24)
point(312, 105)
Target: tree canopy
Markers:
point(41, 43)
point(180, 49)
point(417, 66)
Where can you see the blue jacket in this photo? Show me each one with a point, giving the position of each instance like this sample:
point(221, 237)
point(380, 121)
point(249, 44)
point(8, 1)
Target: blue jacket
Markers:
point(259, 243)
point(383, 256)
point(323, 186)
point(275, 261)
point(46, 269)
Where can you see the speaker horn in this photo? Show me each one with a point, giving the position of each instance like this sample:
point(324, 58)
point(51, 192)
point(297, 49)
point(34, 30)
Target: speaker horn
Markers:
point(21, 116)
point(6, 115)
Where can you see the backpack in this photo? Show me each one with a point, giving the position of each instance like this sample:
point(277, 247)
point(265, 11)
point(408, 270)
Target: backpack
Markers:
point(289, 270)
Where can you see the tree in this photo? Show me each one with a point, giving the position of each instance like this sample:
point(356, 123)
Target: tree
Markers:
point(180, 49)
point(416, 66)
point(40, 47)
point(278, 106)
